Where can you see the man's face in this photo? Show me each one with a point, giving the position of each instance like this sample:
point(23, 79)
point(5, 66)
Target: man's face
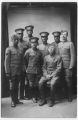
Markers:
point(29, 32)
point(34, 45)
point(64, 36)
point(51, 50)
point(20, 35)
point(57, 39)
point(44, 39)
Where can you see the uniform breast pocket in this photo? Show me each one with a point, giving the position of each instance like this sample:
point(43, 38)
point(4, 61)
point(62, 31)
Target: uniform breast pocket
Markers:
point(14, 54)
point(66, 49)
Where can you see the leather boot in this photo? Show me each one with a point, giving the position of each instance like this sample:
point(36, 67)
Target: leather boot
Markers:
point(13, 104)
point(51, 100)
point(69, 94)
point(42, 96)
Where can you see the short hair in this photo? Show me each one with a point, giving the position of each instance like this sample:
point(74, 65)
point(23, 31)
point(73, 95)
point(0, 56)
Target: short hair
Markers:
point(14, 37)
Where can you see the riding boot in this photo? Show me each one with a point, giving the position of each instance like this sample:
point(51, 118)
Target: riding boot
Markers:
point(13, 104)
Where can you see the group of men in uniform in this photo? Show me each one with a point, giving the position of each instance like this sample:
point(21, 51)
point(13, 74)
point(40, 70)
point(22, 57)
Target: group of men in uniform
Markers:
point(35, 66)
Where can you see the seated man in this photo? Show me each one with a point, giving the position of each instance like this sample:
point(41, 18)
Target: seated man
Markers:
point(51, 73)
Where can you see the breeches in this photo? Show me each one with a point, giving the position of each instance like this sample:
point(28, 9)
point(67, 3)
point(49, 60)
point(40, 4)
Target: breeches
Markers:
point(33, 79)
point(51, 82)
point(68, 77)
point(14, 82)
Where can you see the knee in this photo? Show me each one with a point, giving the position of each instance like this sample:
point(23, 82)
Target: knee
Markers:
point(30, 84)
point(69, 82)
point(11, 85)
point(41, 82)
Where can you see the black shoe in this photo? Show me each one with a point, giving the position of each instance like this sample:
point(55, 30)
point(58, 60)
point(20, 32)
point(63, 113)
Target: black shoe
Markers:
point(42, 102)
point(34, 100)
point(27, 98)
point(50, 103)
point(13, 104)
point(22, 98)
point(70, 99)
point(18, 102)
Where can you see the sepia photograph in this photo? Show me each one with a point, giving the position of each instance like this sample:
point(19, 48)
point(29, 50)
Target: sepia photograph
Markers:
point(38, 59)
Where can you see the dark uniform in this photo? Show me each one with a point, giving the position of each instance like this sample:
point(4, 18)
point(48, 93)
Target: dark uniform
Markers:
point(29, 30)
point(51, 75)
point(57, 41)
point(44, 46)
point(23, 46)
point(13, 58)
point(67, 53)
point(33, 62)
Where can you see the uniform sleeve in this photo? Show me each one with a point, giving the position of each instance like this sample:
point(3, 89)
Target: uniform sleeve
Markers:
point(7, 61)
point(44, 67)
point(58, 68)
point(72, 55)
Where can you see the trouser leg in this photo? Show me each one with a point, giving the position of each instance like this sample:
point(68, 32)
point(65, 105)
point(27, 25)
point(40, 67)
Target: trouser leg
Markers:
point(22, 85)
point(53, 83)
point(42, 84)
point(12, 91)
point(68, 79)
point(27, 89)
point(69, 91)
point(16, 88)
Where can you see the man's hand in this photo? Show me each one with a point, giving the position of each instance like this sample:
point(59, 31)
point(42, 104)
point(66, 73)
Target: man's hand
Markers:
point(8, 75)
point(48, 76)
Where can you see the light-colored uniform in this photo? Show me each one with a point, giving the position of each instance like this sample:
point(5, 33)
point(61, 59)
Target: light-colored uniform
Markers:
point(67, 53)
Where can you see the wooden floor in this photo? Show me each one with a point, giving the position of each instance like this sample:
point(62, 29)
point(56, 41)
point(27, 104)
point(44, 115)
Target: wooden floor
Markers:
point(62, 109)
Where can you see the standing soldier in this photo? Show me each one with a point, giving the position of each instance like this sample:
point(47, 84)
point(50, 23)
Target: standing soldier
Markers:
point(13, 57)
point(51, 75)
point(29, 31)
point(33, 63)
point(57, 41)
point(67, 53)
point(44, 46)
point(23, 47)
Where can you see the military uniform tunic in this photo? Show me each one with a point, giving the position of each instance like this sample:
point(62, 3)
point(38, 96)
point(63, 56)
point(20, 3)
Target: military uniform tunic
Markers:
point(52, 68)
point(67, 53)
point(56, 47)
point(44, 49)
point(13, 58)
point(33, 62)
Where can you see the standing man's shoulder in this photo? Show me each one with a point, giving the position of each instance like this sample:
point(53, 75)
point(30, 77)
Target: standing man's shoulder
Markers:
point(53, 43)
point(60, 44)
point(39, 51)
point(8, 49)
point(28, 51)
point(70, 43)
point(40, 45)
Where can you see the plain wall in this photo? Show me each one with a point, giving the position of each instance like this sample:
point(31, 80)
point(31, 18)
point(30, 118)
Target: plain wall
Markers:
point(48, 19)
